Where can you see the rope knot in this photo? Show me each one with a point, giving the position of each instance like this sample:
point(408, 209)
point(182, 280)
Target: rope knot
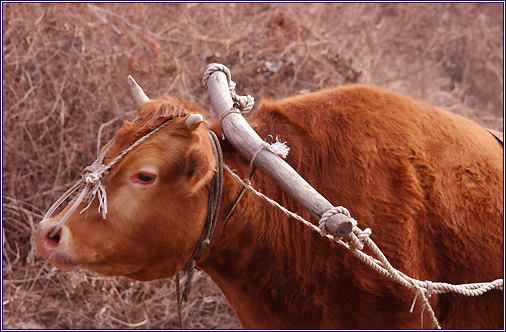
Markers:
point(358, 237)
point(330, 227)
point(278, 148)
point(245, 102)
point(91, 176)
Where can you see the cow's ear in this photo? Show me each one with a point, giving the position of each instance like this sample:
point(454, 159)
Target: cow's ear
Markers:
point(198, 169)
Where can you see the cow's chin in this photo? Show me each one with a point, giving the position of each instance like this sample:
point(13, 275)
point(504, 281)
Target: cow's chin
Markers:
point(142, 276)
point(64, 264)
point(138, 272)
point(66, 267)
point(152, 273)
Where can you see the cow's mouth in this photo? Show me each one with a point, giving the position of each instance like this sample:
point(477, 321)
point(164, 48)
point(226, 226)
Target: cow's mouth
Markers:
point(63, 263)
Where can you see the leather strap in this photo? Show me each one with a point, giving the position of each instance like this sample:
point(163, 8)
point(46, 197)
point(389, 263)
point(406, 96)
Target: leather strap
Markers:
point(213, 208)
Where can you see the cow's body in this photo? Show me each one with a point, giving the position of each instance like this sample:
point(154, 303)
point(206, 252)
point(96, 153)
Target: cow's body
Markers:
point(428, 183)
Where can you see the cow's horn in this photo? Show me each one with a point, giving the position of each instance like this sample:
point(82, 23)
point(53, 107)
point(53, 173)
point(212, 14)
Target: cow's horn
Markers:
point(137, 94)
point(193, 122)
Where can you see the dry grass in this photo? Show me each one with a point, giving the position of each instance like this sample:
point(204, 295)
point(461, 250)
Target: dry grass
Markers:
point(64, 75)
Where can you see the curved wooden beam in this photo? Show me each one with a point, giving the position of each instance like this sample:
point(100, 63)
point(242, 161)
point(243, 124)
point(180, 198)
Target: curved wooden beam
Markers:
point(245, 140)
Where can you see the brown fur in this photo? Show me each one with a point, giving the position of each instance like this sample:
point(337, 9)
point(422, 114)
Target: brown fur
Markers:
point(428, 183)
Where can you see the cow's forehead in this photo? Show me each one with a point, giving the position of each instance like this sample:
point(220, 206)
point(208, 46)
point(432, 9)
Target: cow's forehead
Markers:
point(151, 115)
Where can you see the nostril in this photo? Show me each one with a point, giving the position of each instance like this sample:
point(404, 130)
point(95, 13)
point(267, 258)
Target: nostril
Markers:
point(54, 240)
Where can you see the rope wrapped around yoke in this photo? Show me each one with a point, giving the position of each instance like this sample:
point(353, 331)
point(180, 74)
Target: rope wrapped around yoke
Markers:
point(245, 103)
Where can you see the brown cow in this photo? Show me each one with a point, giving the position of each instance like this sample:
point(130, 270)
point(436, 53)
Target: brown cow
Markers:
point(427, 182)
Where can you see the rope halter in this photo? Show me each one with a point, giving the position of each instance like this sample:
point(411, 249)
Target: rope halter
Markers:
point(92, 179)
point(92, 176)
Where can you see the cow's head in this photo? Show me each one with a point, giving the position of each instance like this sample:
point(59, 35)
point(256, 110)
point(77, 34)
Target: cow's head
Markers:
point(156, 200)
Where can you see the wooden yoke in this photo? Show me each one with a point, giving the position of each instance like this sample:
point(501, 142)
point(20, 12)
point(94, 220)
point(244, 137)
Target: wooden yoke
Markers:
point(245, 140)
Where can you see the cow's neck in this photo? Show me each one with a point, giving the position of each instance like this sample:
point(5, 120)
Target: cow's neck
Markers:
point(252, 258)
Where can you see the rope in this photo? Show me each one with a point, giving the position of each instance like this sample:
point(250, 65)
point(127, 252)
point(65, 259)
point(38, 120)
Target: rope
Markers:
point(178, 299)
point(130, 148)
point(280, 149)
point(274, 203)
point(230, 111)
point(245, 102)
point(239, 196)
point(360, 238)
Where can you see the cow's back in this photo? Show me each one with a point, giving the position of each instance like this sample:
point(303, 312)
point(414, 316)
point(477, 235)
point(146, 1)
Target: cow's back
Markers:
point(427, 182)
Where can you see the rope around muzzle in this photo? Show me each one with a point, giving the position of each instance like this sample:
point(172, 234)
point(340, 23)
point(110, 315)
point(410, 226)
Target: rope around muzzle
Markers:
point(92, 180)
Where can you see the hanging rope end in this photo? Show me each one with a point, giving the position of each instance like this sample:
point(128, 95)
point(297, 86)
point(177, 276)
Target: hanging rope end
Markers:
point(279, 148)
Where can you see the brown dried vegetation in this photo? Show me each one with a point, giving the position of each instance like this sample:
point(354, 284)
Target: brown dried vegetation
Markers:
point(64, 79)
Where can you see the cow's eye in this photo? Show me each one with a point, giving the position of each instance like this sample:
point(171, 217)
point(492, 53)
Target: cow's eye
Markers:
point(143, 177)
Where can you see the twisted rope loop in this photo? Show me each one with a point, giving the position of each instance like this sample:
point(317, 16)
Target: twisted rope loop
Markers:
point(278, 148)
point(245, 103)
